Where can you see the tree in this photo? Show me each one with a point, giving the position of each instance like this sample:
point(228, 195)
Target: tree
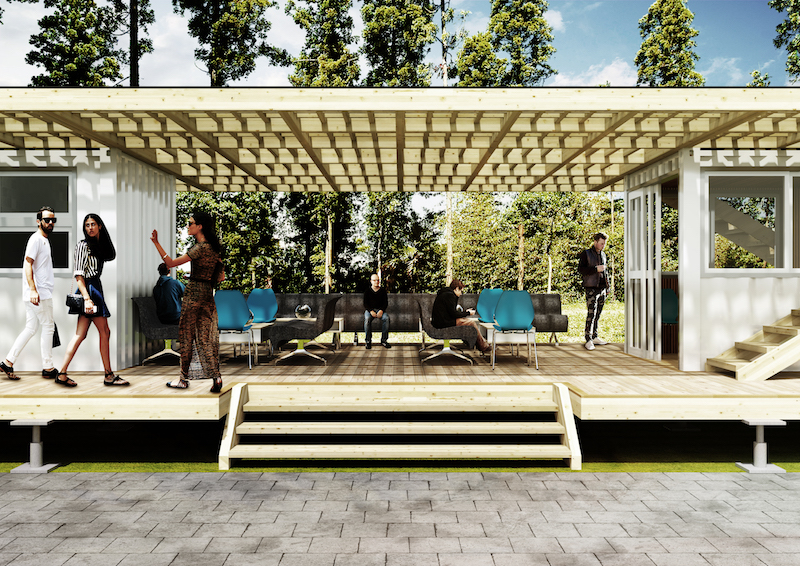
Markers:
point(789, 34)
point(137, 16)
point(232, 35)
point(519, 29)
point(477, 64)
point(246, 230)
point(326, 59)
point(759, 80)
point(666, 56)
point(77, 45)
point(397, 34)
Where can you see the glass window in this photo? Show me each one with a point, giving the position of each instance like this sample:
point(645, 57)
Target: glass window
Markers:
point(745, 215)
point(12, 252)
point(22, 194)
point(28, 193)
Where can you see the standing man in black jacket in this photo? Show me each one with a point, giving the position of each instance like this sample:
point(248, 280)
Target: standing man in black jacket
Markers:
point(376, 301)
point(592, 266)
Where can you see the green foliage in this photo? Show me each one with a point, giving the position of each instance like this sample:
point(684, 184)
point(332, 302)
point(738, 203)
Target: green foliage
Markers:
point(561, 225)
point(517, 29)
point(232, 35)
point(326, 59)
point(669, 238)
point(789, 34)
point(397, 35)
point(477, 64)
point(401, 244)
point(77, 45)
point(666, 56)
point(484, 245)
point(306, 235)
point(246, 231)
point(729, 255)
point(759, 80)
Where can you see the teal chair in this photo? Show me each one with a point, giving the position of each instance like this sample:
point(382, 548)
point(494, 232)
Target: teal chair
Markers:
point(487, 302)
point(263, 304)
point(233, 320)
point(669, 306)
point(514, 315)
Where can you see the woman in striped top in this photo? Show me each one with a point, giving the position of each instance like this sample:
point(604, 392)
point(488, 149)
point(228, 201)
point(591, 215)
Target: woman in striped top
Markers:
point(198, 332)
point(91, 254)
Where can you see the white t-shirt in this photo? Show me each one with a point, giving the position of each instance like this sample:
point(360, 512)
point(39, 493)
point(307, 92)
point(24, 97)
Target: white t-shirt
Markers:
point(38, 249)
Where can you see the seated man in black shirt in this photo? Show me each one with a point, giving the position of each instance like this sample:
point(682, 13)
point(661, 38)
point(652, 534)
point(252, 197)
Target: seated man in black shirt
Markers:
point(376, 302)
point(445, 312)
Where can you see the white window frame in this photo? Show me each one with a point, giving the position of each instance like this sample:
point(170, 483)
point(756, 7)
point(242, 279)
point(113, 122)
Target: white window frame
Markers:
point(784, 207)
point(26, 221)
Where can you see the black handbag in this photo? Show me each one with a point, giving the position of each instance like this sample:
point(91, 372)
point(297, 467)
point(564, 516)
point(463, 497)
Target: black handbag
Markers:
point(75, 303)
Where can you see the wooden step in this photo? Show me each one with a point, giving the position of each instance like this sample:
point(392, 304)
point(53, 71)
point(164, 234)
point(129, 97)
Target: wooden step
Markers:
point(730, 364)
point(758, 347)
point(399, 405)
point(796, 312)
point(415, 451)
point(788, 330)
point(400, 428)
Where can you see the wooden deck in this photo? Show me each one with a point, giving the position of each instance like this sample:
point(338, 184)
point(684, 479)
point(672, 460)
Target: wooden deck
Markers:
point(605, 384)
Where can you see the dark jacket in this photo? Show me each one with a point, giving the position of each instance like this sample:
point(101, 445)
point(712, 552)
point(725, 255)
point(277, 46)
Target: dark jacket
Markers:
point(587, 266)
point(444, 309)
point(376, 300)
point(168, 293)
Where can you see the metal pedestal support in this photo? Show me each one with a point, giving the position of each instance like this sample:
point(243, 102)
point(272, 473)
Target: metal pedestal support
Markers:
point(759, 465)
point(36, 464)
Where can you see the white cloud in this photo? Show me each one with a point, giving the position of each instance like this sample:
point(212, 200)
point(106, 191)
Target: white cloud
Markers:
point(555, 20)
point(617, 73)
point(725, 71)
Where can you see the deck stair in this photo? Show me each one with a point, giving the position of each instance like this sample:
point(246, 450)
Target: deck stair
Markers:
point(765, 353)
point(400, 421)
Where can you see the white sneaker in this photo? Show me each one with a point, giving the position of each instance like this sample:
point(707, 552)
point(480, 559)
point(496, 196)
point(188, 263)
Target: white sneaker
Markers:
point(599, 342)
point(589, 345)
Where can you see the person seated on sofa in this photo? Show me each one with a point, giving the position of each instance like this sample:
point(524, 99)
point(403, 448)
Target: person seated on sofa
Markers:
point(376, 301)
point(445, 312)
point(168, 294)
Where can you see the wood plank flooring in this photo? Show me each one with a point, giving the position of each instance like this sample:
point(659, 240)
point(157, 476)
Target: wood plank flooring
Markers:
point(604, 384)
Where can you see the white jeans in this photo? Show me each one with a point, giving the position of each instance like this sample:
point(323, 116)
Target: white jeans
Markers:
point(35, 315)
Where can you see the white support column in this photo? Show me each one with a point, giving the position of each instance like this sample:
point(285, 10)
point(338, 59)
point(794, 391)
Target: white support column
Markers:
point(36, 464)
point(759, 465)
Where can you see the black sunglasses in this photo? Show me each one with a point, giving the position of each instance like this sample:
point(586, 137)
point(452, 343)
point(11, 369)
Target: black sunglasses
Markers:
point(49, 220)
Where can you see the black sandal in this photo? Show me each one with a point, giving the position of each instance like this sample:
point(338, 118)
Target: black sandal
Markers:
point(182, 384)
point(115, 381)
point(9, 371)
point(217, 387)
point(65, 382)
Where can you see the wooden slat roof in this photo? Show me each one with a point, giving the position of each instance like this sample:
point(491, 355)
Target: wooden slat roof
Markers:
point(494, 140)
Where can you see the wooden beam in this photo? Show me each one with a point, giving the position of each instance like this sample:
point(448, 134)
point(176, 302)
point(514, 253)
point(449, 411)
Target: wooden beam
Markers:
point(83, 128)
point(400, 133)
point(616, 121)
point(495, 143)
point(189, 124)
point(306, 143)
point(721, 126)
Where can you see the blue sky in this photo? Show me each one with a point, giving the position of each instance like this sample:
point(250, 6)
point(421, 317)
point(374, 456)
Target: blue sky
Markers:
point(596, 41)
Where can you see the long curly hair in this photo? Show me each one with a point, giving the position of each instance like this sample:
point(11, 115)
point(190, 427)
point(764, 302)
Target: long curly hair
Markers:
point(100, 247)
point(209, 229)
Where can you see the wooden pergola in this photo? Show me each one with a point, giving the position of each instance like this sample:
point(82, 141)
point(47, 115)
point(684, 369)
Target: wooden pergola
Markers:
point(437, 139)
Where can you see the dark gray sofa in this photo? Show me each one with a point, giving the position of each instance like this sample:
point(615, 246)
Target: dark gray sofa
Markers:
point(404, 312)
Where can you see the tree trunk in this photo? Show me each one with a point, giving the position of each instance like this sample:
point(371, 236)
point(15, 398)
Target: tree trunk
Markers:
point(134, 46)
point(329, 256)
point(449, 238)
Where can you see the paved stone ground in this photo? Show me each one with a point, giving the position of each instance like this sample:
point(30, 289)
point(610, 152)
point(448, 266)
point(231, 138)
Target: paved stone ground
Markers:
point(400, 519)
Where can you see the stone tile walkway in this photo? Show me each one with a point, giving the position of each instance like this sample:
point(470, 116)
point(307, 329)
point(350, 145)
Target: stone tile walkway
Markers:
point(400, 519)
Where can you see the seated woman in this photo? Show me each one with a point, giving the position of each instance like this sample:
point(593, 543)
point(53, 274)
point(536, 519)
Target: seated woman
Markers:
point(445, 312)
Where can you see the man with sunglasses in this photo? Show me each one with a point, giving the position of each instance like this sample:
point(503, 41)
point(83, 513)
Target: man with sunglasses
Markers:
point(37, 292)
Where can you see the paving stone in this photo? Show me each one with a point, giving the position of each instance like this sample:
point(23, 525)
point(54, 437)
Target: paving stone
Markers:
point(271, 530)
point(328, 530)
point(89, 559)
point(182, 545)
point(261, 559)
point(624, 559)
point(601, 530)
point(538, 545)
point(779, 559)
point(677, 559)
point(733, 560)
point(585, 545)
point(40, 560)
point(308, 560)
point(638, 545)
point(572, 560)
point(32, 545)
point(412, 560)
point(226, 545)
point(388, 546)
point(360, 559)
point(520, 559)
point(199, 559)
point(285, 545)
point(461, 560)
